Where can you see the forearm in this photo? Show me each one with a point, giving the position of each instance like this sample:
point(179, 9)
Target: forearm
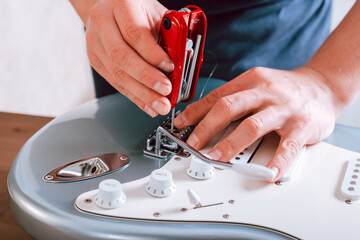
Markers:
point(338, 60)
point(82, 7)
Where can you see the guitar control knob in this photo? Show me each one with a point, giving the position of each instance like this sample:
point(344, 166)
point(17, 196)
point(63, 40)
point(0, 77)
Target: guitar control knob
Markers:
point(199, 169)
point(160, 183)
point(110, 194)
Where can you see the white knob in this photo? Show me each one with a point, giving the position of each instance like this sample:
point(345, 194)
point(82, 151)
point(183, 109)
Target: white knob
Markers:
point(193, 198)
point(199, 169)
point(110, 194)
point(160, 183)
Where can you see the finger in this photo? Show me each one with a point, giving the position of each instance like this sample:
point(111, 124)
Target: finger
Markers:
point(137, 33)
point(157, 102)
point(248, 132)
point(126, 58)
point(287, 151)
point(121, 80)
point(226, 110)
point(100, 68)
point(197, 110)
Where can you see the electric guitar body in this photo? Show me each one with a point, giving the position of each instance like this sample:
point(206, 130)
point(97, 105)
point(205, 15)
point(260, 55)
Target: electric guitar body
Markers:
point(310, 206)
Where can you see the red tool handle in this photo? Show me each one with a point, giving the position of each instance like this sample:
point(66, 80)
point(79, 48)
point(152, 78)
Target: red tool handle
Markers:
point(176, 28)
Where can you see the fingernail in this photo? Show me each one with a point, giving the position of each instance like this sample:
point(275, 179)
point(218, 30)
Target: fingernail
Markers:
point(149, 111)
point(160, 107)
point(276, 170)
point(167, 66)
point(179, 121)
point(215, 154)
point(162, 88)
point(193, 140)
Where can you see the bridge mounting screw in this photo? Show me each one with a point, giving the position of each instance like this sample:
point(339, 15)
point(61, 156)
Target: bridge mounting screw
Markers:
point(49, 177)
point(157, 214)
point(226, 216)
point(183, 210)
point(278, 183)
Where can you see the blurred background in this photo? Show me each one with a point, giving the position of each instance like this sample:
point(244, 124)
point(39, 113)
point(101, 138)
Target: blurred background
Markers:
point(44, 69)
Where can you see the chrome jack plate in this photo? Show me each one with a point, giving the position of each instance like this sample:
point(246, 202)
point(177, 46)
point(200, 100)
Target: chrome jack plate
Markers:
point(87, 168)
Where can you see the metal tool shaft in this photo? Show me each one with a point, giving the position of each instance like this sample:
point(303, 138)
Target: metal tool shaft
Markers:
point(172, 120)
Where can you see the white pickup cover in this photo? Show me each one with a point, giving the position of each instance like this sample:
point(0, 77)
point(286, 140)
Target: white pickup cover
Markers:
point(350, 188)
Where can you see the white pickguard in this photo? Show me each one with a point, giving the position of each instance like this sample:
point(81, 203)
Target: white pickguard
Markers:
point(310, 206)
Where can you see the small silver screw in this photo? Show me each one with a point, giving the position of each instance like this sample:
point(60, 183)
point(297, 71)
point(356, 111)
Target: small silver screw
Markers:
point(226, 216)
point(348, 201)
point(49, 177)
point(278, 183)
point(177, 158)
point(231, 201)
point(122, 158)
point(157, 214)
point(88, 200)
point(183, 210)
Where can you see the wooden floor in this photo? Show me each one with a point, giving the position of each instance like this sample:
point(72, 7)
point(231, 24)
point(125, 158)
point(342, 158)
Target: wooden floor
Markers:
point(15, 129)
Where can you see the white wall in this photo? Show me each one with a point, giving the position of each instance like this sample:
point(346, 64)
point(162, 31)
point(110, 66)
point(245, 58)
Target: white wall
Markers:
point(43, 65)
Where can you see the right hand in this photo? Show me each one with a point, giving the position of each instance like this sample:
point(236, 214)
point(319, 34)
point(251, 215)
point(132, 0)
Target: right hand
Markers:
point(122, 46)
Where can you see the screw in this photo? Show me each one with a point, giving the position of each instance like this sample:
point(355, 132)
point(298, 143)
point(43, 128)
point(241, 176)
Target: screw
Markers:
point(226, 216)
point(231, 201)
point(49, 177)
point(183, 210)
point(278, 183)
point(157, 214)
point(88, 200)
point(348, 201)
point(122, 158)
point(177, 158)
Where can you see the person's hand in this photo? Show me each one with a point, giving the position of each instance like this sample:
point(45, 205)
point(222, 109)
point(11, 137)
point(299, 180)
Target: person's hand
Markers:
point(298, 105)
point(122, 46)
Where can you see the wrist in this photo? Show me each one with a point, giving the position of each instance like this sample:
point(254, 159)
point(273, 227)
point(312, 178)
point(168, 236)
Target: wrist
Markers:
point(338, 100)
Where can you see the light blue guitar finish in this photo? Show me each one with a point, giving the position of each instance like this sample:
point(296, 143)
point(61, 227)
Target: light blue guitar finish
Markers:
point(106, 125)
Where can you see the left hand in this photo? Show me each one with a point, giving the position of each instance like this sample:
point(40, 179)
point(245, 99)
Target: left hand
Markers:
point(297, 105)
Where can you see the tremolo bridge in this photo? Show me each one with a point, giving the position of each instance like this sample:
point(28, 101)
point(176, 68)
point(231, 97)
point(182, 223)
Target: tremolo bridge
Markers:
point(161, 146)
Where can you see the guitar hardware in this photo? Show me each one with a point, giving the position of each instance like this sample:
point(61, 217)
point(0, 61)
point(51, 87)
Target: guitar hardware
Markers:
point(87, 168)
point(163, 144)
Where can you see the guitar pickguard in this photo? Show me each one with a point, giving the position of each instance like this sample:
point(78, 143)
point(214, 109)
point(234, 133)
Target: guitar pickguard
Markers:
point(293, 207)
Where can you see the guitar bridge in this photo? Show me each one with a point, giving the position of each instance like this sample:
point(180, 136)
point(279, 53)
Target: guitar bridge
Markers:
point(161, 146)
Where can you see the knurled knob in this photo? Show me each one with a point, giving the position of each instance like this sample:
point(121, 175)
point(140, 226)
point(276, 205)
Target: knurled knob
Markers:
point(110, 194)
point(160, 184)
point(199, 169)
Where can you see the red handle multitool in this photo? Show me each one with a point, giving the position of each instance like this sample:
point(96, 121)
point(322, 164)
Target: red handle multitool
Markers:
point(182, 36)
